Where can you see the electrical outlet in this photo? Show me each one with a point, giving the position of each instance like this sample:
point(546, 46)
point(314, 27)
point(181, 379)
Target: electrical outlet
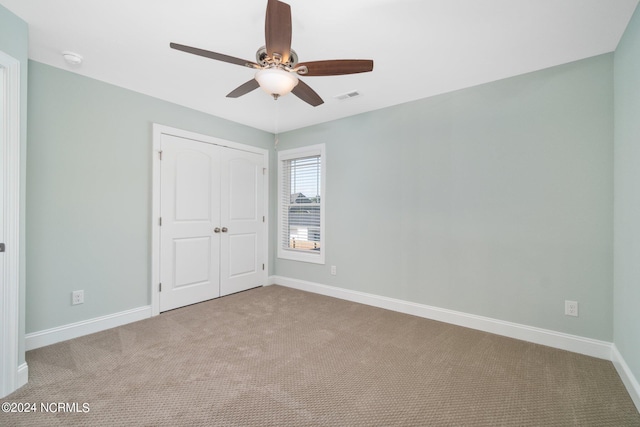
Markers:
point(333, 270)
point(77, 297)
point(571, 308)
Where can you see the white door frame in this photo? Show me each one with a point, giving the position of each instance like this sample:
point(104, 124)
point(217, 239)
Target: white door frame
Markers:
point(9, 288)
point(158, 131)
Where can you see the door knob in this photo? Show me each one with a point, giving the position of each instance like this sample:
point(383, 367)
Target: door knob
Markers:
point(216, 230)
point(225, 229)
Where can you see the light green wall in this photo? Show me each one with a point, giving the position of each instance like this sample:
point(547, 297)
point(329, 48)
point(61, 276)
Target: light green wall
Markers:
point(626, 307)
point(89, 192)
point(494, 200)
point(14, 41)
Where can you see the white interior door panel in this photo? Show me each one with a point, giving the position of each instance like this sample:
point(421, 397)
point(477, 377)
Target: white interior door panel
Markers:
point(190, 211)
point(213, 227)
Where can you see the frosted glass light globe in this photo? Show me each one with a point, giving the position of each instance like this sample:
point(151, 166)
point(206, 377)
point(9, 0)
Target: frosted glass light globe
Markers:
point(275, 81)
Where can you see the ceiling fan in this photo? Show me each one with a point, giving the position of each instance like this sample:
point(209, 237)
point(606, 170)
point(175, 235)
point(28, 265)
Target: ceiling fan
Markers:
point(277, 63)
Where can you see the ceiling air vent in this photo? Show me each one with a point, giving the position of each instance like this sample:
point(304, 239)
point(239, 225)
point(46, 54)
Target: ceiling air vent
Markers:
point(347, 95)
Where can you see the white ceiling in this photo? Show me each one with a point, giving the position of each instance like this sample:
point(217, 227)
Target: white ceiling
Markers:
point(420, 48)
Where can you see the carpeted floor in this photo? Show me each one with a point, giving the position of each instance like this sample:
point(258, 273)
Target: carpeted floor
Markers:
point(275, 356)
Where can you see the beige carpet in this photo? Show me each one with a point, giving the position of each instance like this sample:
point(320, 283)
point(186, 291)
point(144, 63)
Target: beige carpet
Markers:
point(275, 356)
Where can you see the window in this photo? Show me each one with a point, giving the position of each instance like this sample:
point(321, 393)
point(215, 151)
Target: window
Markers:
point(301, 180)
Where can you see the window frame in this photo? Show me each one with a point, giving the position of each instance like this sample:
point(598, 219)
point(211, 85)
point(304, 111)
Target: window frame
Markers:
point(298, 153)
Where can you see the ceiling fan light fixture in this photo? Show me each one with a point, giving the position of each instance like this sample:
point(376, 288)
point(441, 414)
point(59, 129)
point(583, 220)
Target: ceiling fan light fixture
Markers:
point(276, 82)
point(278, 64)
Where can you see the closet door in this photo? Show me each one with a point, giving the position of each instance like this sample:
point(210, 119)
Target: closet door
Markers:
point(190, 212)
point(241, 247)
point(212, 213)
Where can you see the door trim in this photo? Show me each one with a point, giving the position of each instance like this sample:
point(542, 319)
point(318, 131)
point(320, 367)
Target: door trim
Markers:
point(12, 375)
point(158, 131)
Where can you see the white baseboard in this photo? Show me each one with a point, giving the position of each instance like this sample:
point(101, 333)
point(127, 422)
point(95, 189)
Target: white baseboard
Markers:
point(73, 330)
point(574, 343)
point(23, 374)
point(627, 377)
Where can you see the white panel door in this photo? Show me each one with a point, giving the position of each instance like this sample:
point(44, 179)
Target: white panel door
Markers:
point(242, 254)
point(12, 374)
point(2, 167)
point(190, 212)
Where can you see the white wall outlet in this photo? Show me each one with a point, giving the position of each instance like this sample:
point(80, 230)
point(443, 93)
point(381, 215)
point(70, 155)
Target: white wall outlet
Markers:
point(333, 270)
point(571, 308)
point(77, 297)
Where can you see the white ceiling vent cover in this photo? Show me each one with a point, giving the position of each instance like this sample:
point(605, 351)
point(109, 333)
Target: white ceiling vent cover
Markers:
point(348, 95)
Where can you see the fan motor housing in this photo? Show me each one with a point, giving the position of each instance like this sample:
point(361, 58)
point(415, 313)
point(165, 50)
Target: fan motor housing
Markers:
point(264, 60)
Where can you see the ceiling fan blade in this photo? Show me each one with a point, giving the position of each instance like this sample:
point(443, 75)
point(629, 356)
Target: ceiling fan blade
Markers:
point(277, 29)
point(308, 95)
point(243, 89)
point(337, 67)
point(214, 55)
